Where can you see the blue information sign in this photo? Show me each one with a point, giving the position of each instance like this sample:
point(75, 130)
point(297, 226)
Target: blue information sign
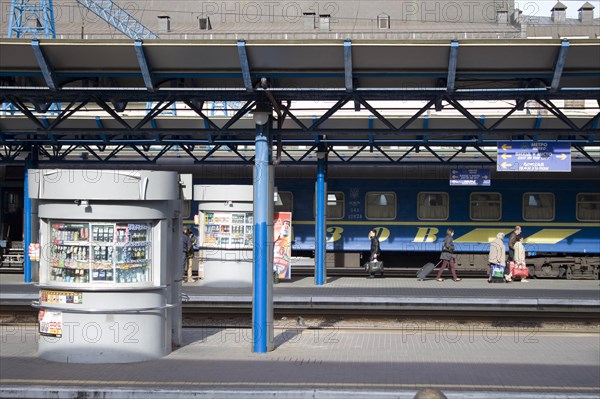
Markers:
point(538, 156)
point(470, 177)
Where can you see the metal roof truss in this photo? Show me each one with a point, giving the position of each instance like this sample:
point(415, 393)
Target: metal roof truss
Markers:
point(117, 128)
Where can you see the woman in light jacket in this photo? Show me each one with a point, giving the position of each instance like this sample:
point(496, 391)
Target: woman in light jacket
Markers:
point(520, 255)
point(447, 256)
point(497, 254)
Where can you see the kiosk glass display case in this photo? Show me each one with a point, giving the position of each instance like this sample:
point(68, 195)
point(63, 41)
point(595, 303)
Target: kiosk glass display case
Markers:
point(227, 230)
point(100, 252)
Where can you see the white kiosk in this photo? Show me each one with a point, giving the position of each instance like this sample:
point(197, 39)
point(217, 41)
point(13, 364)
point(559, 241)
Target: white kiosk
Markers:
point(226, 234)
point(110, 268)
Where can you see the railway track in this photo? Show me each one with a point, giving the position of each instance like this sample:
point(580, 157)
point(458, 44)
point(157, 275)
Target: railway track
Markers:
point(242, 316)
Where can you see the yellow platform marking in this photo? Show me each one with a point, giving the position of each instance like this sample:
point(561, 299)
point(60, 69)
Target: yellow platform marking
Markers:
point(481, 235)
point(550, 236)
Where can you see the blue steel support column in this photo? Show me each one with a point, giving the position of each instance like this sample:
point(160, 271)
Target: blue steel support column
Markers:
point(320, 225)
point(262, 296)
point(27, 222)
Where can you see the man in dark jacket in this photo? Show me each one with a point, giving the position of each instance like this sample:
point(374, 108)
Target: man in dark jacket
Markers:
point(447, 256)
point(512, 239)
point(375, 250)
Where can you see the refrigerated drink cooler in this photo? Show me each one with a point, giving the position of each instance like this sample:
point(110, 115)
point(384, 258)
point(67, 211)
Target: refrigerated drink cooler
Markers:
point(109, 270)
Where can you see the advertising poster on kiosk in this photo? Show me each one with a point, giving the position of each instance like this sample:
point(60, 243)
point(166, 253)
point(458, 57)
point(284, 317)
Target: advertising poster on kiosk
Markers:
point(282, 247)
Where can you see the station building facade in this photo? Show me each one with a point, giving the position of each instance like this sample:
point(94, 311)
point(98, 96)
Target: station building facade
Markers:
point(308, 20)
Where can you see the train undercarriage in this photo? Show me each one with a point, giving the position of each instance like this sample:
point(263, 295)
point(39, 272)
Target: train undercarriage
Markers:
point(547, 266)
point(571, 267)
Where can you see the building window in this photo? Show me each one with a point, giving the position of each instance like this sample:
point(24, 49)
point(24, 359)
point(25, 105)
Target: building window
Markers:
point(335, 205)
point(588, 207)
point(383, 21)
point(204, 23)
point(310, 20)
point(381, 206)
point(433, 206)
point(486, 206)
point(538, 206)
point(284, 201)
point(325, 22)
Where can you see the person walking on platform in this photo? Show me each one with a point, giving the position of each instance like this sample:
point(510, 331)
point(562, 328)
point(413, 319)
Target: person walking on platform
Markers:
point(185, 241)
point(511, 242)
point(520, 256)
point(375, 250)
point(447, 256)
point(497, 255)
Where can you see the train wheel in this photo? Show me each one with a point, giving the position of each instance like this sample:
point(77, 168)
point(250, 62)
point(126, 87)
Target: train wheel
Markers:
point(569, 273)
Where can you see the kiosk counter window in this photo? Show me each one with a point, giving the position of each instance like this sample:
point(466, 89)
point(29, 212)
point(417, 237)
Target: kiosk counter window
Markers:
point(99, 253)
point(227, 229)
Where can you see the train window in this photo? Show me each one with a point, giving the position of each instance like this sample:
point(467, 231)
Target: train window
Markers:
point(588, 207)
point(432, 206)
point(381, 206)
point(335, 205)
point(538, 206)
point(284, 202)
point(486, 206)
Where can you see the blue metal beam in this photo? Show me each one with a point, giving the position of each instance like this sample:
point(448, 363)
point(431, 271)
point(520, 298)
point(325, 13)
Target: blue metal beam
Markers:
point(291, 94)
point(47, 70)
point(348, 74)
point(237, 136)
point(452, 66)
point(559, 65)
point(118, 18)
point(144, 67)
point(23, 108)
point(245, 65)
point(375, 113)
point(29, 18)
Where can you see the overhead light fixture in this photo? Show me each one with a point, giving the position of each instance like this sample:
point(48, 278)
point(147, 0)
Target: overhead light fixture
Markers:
point(261, 114)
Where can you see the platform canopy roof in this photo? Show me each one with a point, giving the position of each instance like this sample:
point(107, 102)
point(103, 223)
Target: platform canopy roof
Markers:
point(479, 64)
point(104, 93)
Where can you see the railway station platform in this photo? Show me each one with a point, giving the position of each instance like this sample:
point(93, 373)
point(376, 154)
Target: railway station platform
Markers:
point(325, 363)
point(470, 296)
point(329, 357)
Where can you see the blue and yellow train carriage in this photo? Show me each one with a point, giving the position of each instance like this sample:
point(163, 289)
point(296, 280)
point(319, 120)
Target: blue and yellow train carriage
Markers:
point(560, 218)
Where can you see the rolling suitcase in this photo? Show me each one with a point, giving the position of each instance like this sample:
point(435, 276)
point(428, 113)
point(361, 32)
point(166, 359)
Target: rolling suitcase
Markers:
point(425, 270)
point(496, 273)
point(373, 267)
